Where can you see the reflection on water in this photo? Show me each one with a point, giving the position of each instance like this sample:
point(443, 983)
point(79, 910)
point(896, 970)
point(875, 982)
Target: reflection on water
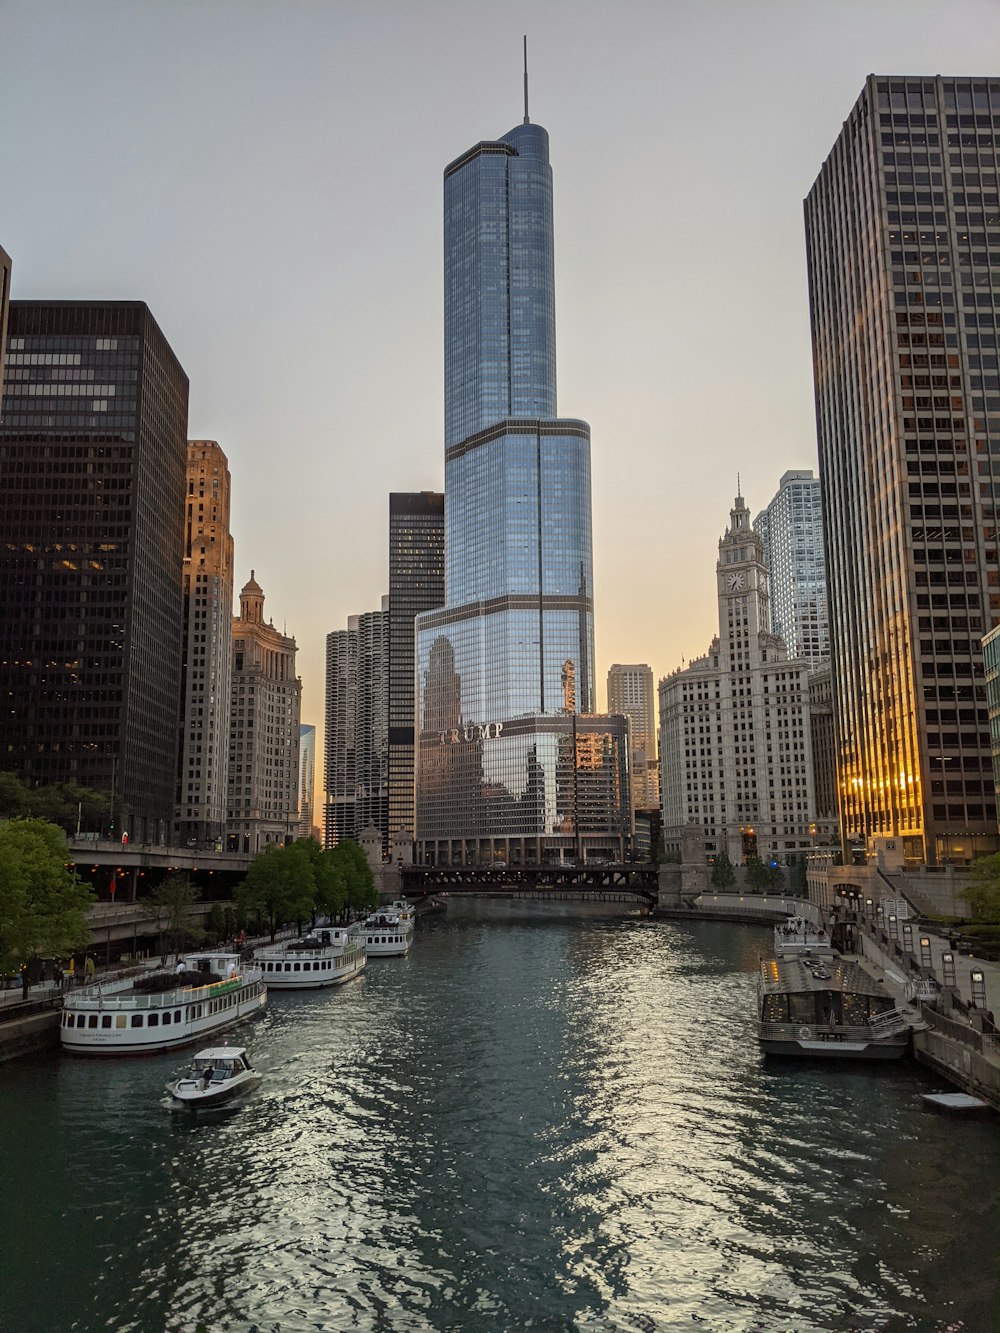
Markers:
point(558, 1123)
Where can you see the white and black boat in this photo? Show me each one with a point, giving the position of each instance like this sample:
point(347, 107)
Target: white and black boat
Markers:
point(386, 934)
point(813, 1002)
point(326, 956)
point(218, 1075)
point(141, 1011)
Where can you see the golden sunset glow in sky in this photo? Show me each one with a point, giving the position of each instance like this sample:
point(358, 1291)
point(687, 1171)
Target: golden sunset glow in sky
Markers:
point(267, 177)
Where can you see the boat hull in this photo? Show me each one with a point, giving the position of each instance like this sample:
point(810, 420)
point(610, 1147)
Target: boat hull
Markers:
point(835, 1049)
point(196, 1099)
point(313, 980)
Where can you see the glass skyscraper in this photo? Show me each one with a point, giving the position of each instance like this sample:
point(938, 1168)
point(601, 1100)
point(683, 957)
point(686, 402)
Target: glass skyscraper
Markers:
point(506, 666)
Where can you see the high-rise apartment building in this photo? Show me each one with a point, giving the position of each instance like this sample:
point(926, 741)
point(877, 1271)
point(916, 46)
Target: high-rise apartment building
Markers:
point(357, 727)
point(903, 247)
point(630, 693)
point(5, 267)
point(207, 665)
point(735, 738)
point(416, 583)
point(92, 480)
point(495, 729)
point(263, 730)
point(307, 781)
point(791, 528)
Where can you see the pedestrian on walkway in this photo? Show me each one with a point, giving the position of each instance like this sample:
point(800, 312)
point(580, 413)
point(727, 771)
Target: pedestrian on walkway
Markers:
point(25, 981)
point(89, 970)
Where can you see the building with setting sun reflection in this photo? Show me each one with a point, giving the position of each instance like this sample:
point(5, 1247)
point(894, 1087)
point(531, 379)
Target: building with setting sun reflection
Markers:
point(903, 243)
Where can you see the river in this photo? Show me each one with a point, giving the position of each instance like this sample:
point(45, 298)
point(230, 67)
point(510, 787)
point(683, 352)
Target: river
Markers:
point(555, 1122)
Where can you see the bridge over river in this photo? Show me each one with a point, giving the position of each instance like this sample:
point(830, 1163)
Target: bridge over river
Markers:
point(610, 882)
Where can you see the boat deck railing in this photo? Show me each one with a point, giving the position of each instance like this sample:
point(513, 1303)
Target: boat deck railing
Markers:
point(832, 1031)
point(97, 997)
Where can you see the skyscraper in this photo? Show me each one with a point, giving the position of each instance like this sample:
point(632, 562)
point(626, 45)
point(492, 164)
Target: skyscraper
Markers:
point(517, 621)
point(264, 711)
point(208, 635)
point(416, 583)
point(307, 781)
point(5, 267)
point(903, 247)
point(94, 436)
point(735, 737)
point(630, 693)
point(356, 767)
point(791, 528)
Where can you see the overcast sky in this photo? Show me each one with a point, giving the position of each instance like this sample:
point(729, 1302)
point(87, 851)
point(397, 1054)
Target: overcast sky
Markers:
point(267, 176)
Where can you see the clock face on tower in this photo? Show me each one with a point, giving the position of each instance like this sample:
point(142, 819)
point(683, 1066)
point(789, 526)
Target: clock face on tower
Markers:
point(736, 581)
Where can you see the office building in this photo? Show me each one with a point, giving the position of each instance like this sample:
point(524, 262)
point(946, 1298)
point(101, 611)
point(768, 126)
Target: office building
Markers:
point(265, 703)
point(791, 528)
point(735, 738)
point(630, 693)
point(903, 253)
point(5, 267)
point(208, 658)
point(508, 660)
point(416, 583)
point(92, 481)
point(307, 782)
point(356, 767)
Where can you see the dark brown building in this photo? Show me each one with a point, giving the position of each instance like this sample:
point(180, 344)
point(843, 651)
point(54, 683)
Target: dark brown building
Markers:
point(93, 447)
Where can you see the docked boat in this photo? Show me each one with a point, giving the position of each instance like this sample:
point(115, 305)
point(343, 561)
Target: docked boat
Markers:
point(217, 1076)
point(813, 1002)
point(385, 934)
point(406, 913)
point(141, 1012)
point(323, 957)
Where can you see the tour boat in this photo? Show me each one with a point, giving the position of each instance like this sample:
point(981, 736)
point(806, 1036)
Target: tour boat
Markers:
point(405, 911)
point(385, 934)
point(142, 1011)
point(217, 1075)
point(813, 1002)
point(323, 957)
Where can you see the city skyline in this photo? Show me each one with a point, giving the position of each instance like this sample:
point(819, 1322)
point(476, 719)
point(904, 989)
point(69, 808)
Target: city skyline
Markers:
point(640, 290)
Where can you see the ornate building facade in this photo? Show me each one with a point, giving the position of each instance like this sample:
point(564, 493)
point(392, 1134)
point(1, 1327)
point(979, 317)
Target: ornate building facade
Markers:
point(263, 730)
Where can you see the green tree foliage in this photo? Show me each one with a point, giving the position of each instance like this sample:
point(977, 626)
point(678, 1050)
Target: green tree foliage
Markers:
point(983, 894)
point(331, 885)
point(797, 876)
point(173, 900)
point(757, 875)
point(351, 861)
point(279, 886)
point(62, 803)
point(43, 906)
point(723, 874)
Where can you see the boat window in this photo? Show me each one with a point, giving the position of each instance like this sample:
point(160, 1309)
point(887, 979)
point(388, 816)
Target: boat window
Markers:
point(166, 1018)
point(177, 1015)
point(153, 1021)
point(288, 967)
point(295, 968)
point(106, 1021)
point(92, 1021)
point(120, 1021)
point(70, 1021)
point(801, 1008)
point(137, 1020)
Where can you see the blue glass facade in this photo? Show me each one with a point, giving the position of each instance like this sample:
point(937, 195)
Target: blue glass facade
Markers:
point(505, 669)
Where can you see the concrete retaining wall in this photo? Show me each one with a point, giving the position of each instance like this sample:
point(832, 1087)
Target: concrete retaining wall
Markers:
point(28, 1036)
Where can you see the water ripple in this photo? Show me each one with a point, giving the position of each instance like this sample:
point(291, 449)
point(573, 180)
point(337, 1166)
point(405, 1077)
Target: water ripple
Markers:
point(555, 1124)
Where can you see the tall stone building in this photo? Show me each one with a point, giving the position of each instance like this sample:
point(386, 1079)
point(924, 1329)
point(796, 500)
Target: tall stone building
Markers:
point(357, 726)
point(630, 693)
point(735, 739)
point(207, 665)
point(263, 730)
point(903, 254)
point(518, 545)
point(791, 528)
point(93, 455)
point(416, 584)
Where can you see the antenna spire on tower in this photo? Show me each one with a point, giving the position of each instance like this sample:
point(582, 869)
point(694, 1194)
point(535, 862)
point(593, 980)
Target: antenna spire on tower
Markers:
point(526, 121)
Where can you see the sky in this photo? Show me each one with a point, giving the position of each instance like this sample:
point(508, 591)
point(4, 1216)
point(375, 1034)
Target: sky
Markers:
point(267, 176)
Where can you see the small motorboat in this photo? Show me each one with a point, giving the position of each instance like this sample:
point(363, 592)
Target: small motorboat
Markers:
point(217, 1075)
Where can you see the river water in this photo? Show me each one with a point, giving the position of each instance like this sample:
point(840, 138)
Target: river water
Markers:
point(559, 1122)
